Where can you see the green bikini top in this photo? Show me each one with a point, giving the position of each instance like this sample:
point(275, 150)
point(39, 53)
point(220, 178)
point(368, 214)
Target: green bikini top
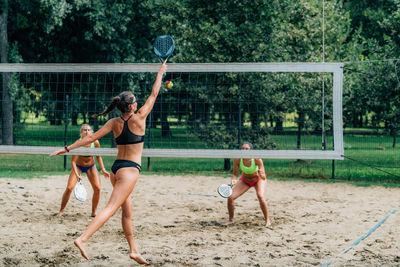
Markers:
point(91, 146)
point(249, 170)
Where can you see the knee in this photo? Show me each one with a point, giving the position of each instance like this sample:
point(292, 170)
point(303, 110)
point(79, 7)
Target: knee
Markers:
point(110, 210)
point(69, 189)
point(261, 197)
point(96, 189)
point(127, 215)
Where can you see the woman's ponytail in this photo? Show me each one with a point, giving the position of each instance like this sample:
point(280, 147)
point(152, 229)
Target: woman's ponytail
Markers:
point(113, 104)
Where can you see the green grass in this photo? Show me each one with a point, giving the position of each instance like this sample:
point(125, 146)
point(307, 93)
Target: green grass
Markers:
point(369, 148)
point(356, 183)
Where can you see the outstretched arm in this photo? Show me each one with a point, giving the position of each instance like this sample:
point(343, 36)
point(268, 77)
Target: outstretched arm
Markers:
point(87, 139)
point(148, 106)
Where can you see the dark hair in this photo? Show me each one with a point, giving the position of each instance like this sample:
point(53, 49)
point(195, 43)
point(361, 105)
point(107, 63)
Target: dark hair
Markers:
point(248, 143)
point(122, 102)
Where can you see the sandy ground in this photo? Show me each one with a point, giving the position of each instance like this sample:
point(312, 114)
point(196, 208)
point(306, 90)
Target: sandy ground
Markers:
point(177, 222)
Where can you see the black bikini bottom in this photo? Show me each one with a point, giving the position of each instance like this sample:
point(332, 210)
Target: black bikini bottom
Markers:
point(121, 163)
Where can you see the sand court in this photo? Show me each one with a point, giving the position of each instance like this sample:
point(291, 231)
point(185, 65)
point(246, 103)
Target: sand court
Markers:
point(178, 221)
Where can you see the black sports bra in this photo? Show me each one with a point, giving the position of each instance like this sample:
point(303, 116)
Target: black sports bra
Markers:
point(127, 137)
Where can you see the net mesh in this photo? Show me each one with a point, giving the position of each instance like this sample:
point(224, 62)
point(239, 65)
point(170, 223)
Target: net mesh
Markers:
point(279, 112)
point(209, 112)
point(370, 116)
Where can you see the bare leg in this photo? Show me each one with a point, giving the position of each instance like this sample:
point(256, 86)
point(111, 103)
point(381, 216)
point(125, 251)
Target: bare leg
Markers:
point(72, 180)
point(239, 189)
point(260, 190)
point(123, 185)
point(94, 180)
point(128, 231)
point(231, 210)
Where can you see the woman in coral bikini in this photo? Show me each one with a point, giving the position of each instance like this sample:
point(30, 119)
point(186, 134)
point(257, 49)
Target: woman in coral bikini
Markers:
point(81, 164)
point(129, 131)
point(253, 175)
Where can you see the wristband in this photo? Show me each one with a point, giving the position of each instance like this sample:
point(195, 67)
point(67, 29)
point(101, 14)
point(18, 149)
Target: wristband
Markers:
point(66, 148)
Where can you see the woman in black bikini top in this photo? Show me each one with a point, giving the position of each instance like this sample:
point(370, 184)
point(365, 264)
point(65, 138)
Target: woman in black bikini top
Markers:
point(129, 131)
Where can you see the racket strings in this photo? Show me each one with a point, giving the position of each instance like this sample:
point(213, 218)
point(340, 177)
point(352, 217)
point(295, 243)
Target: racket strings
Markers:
point(225, 190)
point(163, 47)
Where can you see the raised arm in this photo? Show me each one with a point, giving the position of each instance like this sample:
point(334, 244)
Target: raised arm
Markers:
point(87, 139)
point(148, 106)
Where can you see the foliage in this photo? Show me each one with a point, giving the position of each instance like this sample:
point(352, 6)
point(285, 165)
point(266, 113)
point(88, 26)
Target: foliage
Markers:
point(224, 31)
point(79, 30)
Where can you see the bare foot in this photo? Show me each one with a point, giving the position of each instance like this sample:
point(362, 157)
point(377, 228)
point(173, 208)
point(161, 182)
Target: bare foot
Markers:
point(60, 213)
point(228, 223)
point(138, 258)
point(81, 245)
point(268, 223)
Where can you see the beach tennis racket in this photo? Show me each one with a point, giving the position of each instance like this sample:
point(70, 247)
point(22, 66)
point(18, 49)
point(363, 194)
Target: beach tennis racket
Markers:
point(225, 190)
point(80, 191)
point(164, 47)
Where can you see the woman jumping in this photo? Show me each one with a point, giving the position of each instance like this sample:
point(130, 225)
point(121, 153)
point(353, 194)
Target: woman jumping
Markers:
point(129, 131)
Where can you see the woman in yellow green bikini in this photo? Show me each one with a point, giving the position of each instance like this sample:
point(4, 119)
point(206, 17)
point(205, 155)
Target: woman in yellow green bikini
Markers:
point(253, 175)
point(81, 164)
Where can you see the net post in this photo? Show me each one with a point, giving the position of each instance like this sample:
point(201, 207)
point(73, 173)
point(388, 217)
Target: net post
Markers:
point(239, 120)
point(333, 163)
point(66, 129)
point(149, 139)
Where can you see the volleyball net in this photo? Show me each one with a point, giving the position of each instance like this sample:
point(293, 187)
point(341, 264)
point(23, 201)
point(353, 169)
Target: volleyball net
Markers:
point(286, 110)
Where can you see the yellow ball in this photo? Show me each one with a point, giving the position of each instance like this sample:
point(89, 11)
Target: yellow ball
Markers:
point(169, 84)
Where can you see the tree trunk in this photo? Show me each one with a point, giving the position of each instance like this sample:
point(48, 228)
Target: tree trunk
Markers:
point(7, 105)
point(271, 121)
point(394, 135)
point(300, 125)
point(165, 129)
point(74, 118)
point(355, 119)
point(255, 122)
point(227, 164)
point(278, 125)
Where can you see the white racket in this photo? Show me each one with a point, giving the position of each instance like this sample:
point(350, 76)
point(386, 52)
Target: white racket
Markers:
point(80, 191)
point(225, 190)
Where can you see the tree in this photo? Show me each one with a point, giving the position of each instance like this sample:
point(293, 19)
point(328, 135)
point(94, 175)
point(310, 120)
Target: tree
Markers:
point(61, 31)
point(7, 104)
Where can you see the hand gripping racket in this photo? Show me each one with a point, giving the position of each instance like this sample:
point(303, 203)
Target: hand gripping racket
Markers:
point(225, 190)
point(80, 191)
